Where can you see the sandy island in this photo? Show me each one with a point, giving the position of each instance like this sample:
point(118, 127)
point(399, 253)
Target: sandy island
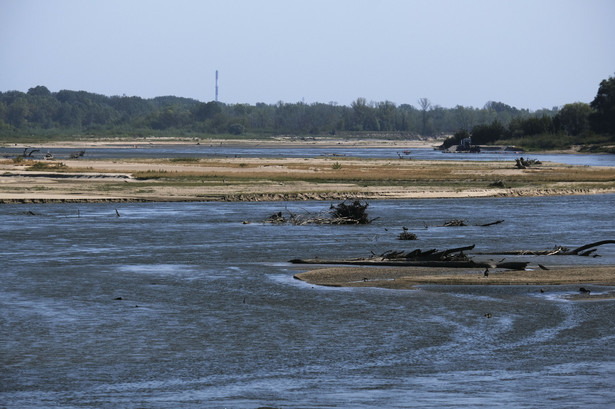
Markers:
point(405, 278)
point(271, 179)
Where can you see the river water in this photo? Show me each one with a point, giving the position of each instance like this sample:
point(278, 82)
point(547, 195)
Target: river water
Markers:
point(210, 315)
point(306, 151)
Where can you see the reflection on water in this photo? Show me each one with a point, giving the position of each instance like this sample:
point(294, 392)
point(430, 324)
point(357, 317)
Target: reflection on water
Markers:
point(182, 305)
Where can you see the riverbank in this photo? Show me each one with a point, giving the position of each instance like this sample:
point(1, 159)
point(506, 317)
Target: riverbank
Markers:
point(407, 278)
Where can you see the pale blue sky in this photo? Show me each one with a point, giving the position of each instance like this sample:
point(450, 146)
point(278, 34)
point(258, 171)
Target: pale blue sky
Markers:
point(526, 53)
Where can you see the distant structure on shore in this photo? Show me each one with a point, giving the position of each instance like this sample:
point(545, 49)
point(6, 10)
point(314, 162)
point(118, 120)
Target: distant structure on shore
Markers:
point(216, 85)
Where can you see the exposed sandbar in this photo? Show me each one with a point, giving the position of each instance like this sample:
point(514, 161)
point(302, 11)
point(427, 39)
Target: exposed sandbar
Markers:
point(281, 179)
point(405, 278)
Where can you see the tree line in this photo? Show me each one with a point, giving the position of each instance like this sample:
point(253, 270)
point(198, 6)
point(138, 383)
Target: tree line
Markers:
point(42, 112)
point(575, 123)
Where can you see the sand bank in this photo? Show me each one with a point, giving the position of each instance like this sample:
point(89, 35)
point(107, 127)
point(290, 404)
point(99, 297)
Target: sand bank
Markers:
point(271, 179)
point(404, 278)
point(278, 141)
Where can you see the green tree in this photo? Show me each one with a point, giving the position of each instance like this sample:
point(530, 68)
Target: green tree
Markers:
point(40, 91)
point(500, 107)
point(365, 116)
point(204, 111)
point(464, 117)
point(485, 134)
point(574, 118)
point(534, 125)
point(386, 115)
point(43, 108)
point(424, 104)
point(170, 117)
point(602, 119)
point(18, 112)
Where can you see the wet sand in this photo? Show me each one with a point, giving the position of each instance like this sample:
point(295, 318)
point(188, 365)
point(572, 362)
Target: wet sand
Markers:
point(407, 278)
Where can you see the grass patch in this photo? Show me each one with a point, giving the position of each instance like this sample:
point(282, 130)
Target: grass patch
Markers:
point(151, 174)
point(47, 166)
point(373, 173)
point(184, 160)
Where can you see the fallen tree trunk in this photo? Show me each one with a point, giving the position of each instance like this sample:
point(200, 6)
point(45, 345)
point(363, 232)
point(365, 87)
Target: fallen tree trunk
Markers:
point(491, 224)
point(432, 254)
point(557, 250)
point(515, 265)
point(454, 258)
point(399, 263)
point(445, 253)
point(591, 245)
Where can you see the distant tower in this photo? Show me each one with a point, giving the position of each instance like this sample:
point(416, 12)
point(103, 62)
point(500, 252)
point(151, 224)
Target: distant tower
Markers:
point(216, 85)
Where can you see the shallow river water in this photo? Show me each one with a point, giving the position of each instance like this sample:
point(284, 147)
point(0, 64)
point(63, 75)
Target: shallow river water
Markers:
point(210, 315)
point(306, 151)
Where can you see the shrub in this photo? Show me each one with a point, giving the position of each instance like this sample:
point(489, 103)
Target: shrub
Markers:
point(47, 166)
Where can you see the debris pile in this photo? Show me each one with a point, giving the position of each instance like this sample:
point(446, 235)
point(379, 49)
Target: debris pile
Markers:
point(526, 163)
point(354, 212)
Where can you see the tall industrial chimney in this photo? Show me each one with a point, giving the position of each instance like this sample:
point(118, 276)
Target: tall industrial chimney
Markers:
point(216, 85)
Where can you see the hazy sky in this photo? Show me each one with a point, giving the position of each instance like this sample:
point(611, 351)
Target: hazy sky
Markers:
point(526, 53)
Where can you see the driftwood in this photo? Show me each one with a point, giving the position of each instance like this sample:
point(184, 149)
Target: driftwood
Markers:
point(491, 224)
point(497, 183)
point(578, 250)
point(276, 218)
point(585, 250)
point(406, 235)
point(344, 213)
point(454, 223)
point(462, 223)
point(525, 163)
point(455, 254)
point(398, 263)
point(514, 265)
point(452, 258)
point(76, 155)
point(353, 213)
point(27, 154)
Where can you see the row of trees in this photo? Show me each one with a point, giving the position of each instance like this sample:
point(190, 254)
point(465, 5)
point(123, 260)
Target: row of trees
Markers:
point(42, 111)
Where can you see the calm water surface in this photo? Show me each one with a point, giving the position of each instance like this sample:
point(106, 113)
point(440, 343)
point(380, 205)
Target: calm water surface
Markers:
point(306, 151)
point(210, 315)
